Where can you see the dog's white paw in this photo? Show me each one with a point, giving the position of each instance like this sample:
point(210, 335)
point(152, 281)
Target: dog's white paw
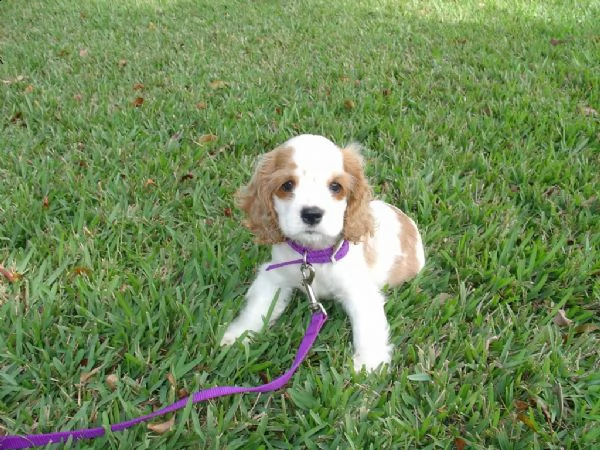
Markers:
point(232, 334)
point(371, 360)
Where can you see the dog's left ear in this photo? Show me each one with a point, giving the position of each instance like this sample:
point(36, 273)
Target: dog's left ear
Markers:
point(358, 220)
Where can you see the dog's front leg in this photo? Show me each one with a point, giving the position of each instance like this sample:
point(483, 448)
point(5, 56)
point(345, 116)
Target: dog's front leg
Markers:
point(370, 328)
point(259, 299)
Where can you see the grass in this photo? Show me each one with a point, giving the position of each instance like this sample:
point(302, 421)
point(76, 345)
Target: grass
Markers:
point(480, 119)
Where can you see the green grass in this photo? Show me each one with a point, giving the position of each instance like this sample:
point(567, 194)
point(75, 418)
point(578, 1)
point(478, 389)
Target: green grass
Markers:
point(480, 119)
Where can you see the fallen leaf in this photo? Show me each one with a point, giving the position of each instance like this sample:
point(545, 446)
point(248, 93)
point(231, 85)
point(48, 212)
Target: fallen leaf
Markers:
point(80, 270)
point(85, 376)
point(227, 212)
point(29, 88)
point(217, 84)
point(521, 405)
point(171, 379)
point(561, 318)
point(556, 42)
point(149, 182)
point(201, 105)
point(587, 328)
point(83, 52)
point(460, 443)
point(45, 202)
point(551, 191)
point(349, 104)
point(182, 393)
point(139, 101)
point(162, 428)
point(187, 176)
point(527, 421)
point(111, 381)
point(10, 275)
point(207, 138)
point(138, 86)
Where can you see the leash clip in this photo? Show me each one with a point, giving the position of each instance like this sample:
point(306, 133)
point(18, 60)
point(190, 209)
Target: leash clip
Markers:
point(308, 275)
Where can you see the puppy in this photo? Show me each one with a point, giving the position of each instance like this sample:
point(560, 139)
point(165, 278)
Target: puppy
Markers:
point(309, 196)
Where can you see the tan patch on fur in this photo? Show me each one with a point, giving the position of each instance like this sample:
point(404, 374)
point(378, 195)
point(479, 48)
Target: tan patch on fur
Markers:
point(256, 198)
point(358, 221)
point(344, 181)
point(369, 253)
point(407, 265)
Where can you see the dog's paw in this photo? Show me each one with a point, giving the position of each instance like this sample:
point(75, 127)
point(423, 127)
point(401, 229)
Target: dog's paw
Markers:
point(371, 360)
point(232, 334)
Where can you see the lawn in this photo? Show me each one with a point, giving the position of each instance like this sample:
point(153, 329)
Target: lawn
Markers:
point(125, 129)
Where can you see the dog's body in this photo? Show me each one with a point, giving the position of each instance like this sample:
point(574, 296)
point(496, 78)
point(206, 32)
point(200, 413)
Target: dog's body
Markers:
point(313, 193)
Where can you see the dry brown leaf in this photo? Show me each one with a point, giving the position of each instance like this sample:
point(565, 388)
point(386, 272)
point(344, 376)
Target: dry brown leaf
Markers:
point(218, 84)
point(45, 202)
point(460, 443)
point(521, 405)
point(587, 328)
point(28, 89)
point(561, 318)
point(349, 104)
point(201, 105)
point(80, 270)
point(182, 393)
point(83, 52)
point(149, 182)
point(227, 212)
point(138, 86)
point(111, 381)
point(171, 379)
point(162, 428)
point(207, 138)
point(85, 376)
point(10, 275)
point(139, 101)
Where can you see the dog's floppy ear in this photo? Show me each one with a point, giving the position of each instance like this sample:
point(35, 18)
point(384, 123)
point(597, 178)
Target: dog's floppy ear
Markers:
point(256, 200)
point(358, 221)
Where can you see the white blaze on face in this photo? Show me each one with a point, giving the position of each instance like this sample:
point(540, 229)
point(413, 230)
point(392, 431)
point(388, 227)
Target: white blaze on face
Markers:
point(319, 163)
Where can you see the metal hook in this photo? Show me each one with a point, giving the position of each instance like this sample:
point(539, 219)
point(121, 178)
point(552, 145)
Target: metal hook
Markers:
point(308, 276)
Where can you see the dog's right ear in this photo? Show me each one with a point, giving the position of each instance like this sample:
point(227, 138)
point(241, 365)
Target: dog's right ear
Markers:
point(256, 198)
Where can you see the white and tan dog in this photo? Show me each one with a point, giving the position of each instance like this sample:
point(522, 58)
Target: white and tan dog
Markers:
point(308, 194)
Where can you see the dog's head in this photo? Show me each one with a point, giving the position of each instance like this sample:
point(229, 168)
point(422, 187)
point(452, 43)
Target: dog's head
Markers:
point(308, 190)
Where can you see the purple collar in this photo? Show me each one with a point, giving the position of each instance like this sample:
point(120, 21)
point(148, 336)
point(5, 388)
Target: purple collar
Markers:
point(326, 255)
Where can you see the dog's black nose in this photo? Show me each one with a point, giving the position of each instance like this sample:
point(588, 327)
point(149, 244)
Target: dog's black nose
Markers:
point(311, 215)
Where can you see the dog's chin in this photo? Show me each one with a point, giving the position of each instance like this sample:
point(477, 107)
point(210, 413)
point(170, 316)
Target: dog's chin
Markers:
point(315, 239)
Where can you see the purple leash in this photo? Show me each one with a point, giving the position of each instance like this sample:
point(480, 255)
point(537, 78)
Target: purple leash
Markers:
point(34, 440)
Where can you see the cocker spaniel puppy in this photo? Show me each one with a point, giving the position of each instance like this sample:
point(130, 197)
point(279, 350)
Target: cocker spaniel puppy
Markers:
point(310, 197)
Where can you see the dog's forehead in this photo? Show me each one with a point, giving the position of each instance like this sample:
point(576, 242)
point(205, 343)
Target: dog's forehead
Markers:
point(316, 155)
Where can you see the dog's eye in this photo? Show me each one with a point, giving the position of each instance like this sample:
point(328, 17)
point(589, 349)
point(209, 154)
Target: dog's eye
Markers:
point(288, 186)
point(335, 187)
